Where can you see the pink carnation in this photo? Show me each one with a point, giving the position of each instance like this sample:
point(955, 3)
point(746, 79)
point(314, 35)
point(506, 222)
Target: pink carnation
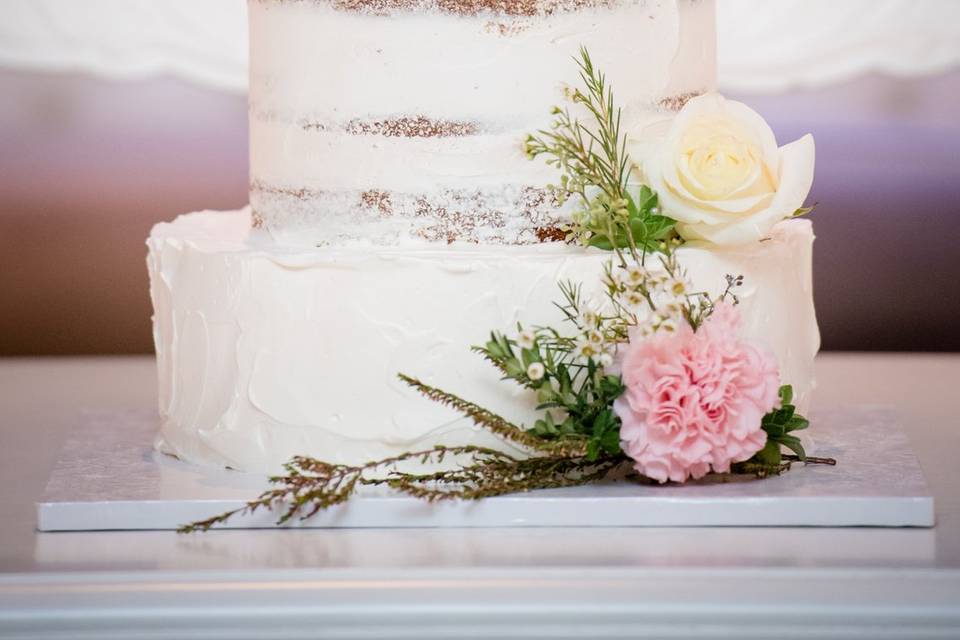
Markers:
point(695, 401)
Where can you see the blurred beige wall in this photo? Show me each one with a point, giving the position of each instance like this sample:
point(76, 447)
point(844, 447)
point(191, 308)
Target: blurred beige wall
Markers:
point(86, 167)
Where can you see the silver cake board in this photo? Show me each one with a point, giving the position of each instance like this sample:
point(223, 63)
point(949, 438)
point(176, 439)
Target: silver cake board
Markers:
point(110, 478)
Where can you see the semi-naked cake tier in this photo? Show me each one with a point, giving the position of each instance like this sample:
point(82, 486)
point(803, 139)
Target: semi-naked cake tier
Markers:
point(390, 119)
point(266, 352)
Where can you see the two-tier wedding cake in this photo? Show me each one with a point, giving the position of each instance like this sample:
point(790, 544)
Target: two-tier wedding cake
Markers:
point(396, 219)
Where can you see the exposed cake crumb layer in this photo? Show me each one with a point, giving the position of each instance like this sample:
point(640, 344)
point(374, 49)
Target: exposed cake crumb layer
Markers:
point(514, 8)
point(434, 102)
point(499, 215)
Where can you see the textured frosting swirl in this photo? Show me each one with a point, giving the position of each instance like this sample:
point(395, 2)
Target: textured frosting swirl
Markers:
point(265, 352)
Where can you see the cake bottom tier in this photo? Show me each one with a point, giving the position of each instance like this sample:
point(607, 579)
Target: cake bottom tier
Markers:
point(266, 352)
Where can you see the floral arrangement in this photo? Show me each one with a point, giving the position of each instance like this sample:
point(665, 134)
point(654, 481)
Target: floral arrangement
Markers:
point(653, 382)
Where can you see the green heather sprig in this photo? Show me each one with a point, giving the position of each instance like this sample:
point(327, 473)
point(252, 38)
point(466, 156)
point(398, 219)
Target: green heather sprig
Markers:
point(310, 486)
point(595, 170)
point(564, 447)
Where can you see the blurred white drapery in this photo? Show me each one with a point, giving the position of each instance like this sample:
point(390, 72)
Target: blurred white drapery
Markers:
point(765, 45)
point(204, 41)
point(774, 45)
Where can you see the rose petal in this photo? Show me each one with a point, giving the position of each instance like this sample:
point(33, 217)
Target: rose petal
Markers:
point(765, 138)
point(731, 205)
point(748, 124)
point(677, 207)
point(797, 161)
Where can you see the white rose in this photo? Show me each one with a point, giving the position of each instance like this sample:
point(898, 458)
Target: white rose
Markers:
point(719, 173)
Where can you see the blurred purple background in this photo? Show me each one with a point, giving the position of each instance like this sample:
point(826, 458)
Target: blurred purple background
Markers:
point(87, 165)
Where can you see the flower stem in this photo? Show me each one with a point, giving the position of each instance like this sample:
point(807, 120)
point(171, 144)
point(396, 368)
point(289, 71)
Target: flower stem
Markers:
point(811, 460)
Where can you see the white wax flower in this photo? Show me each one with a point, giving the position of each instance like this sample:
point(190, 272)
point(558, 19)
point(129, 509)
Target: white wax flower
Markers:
point(678, 287)
point(526, 339)
point(535, 371)
point(672, 309)
point(667, 324)
point(634, 300)
point(719, 173)
point(589, 317)
point(586, 349)
point(636, 274)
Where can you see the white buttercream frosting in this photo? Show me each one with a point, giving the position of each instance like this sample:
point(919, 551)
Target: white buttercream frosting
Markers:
point(265, 352)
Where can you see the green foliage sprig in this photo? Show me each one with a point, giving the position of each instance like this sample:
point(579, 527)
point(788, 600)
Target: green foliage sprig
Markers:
point(779, 425)
point(578, 390)
point(595, 170)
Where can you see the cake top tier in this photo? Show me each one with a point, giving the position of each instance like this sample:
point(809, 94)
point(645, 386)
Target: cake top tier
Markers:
point(385, 120)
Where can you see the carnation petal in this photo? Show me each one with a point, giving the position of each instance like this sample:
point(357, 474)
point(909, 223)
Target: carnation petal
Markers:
point(654, 469)
point(695, 400)
point(699, 470)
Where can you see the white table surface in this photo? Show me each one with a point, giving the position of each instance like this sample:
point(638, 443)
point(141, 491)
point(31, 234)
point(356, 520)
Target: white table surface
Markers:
point(662, 582)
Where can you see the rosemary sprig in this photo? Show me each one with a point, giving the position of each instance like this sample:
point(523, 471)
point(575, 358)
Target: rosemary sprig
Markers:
point(595, 170)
